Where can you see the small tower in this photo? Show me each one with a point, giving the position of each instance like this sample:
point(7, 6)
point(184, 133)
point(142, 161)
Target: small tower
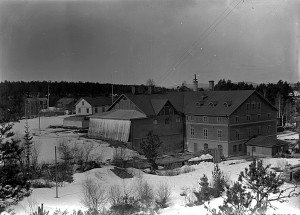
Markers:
point(195, 83)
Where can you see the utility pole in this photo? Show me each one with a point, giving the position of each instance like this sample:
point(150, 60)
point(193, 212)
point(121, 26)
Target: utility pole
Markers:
point(56, 187)
point(48, 97)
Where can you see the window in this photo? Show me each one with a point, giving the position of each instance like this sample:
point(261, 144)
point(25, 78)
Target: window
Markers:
point(205, 147)
point(237, 119)
point(103, 108)
point(87, 110)
point(219, 133)
point(253, 106)
point(192, 132)
point(248, 117)
point(79, 110)
point(234, 148)
point(269, 115)
point(178, 120)
point(205, 133)
point(155, 122)
point(167, 120)
point(259, 107)
point(204, 118)
point(82, 103)
point(96, 110)
point(237, 134)
point(240, 147)
point(193, 118)
point(269, 129)
point(247, 108)
point(258, 130)
point(253, 149)
point(171, 111)
point(187, 118)
point(258, 116)
point(219, 119)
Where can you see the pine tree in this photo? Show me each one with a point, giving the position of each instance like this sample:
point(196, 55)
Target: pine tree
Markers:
point(13, 183)
point(150, 148)
point(27, 143)
point(255, 191)
point(205, 191)
point(218, 183)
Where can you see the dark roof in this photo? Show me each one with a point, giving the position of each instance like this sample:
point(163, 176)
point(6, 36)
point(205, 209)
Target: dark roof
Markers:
point(119, 114)
point(96, 101)
point(268, 142)
point(216, 103)
point(66, 100)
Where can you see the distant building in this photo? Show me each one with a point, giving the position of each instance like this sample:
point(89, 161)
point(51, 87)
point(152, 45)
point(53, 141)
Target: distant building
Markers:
point(84, 107)
point(89, 105)
point(33, 106)
point(66, 104)
point(193, 121)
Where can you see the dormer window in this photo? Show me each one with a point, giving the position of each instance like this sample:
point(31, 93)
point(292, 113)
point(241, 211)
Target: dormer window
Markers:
point(227, 103)
point(200, 103)
point(213, 103)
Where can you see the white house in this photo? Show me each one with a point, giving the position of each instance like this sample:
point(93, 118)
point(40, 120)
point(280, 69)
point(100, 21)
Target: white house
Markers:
point(89, 105)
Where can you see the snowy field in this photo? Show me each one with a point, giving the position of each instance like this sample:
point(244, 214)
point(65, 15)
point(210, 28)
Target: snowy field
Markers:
point(70, 194)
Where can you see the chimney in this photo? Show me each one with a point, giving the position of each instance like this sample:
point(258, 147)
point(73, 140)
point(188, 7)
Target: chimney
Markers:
point(133, 89)
point(195, 83)
point(150, 89)
point(211, 85)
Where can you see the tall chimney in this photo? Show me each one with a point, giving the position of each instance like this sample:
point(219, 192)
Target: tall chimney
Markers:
point(211, 85)
point(133, 89)
point(195, 83)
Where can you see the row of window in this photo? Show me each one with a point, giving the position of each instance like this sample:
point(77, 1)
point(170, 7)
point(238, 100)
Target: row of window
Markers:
point(253, 107)
point(198, 118)
point(237, 132)
point(88, 110)
point(205, 147)
point(167, 121)
point(240, 148)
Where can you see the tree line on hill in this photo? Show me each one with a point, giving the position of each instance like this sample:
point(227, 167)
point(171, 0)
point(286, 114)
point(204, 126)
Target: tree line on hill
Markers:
point(13, 94)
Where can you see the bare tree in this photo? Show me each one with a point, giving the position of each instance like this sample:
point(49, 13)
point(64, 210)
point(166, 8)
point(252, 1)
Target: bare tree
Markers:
point(94, 195)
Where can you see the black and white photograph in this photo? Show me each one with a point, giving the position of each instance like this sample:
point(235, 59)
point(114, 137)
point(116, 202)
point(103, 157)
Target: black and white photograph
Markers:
point(149, 107)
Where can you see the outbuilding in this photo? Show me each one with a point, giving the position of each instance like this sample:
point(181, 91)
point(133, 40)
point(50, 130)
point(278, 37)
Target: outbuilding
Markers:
point(266, 146)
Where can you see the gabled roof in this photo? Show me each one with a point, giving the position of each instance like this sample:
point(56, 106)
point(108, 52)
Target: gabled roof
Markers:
point(119, 114)
point(268, 142)
point(210, 103)
point(96, 101)
point(158, 104)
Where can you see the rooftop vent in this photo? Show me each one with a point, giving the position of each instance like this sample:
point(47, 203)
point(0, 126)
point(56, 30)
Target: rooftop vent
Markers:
point(227, 103)
point(200, 103)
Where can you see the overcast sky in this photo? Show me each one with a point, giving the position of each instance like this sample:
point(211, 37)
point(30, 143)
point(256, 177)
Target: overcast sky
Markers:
point(130, 41)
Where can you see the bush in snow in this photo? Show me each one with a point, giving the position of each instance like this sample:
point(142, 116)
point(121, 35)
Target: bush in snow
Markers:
point(94, 195)
point(257, 187)
point(14, 183)
point(162, 195)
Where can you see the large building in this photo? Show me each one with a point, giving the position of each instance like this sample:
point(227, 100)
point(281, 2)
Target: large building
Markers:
point(192, 121)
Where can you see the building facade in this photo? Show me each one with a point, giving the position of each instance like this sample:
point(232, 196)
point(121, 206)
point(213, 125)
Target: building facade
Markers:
point(195, 120)
point(89, 105)
point(33, 106)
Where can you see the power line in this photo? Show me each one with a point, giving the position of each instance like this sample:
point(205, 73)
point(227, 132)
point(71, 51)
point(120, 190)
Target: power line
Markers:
point(202, 37)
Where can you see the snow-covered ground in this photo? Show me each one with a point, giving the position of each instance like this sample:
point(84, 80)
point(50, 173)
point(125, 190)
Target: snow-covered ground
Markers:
point(70, 194)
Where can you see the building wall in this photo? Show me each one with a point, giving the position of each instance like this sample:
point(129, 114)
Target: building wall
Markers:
point(100, 109)
point(125, 104)
point(168, 128)
point(249, 121)
point(259, 151)
point(217, 133)
point(83, 105)
point(256, 118)
point(77, 123)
